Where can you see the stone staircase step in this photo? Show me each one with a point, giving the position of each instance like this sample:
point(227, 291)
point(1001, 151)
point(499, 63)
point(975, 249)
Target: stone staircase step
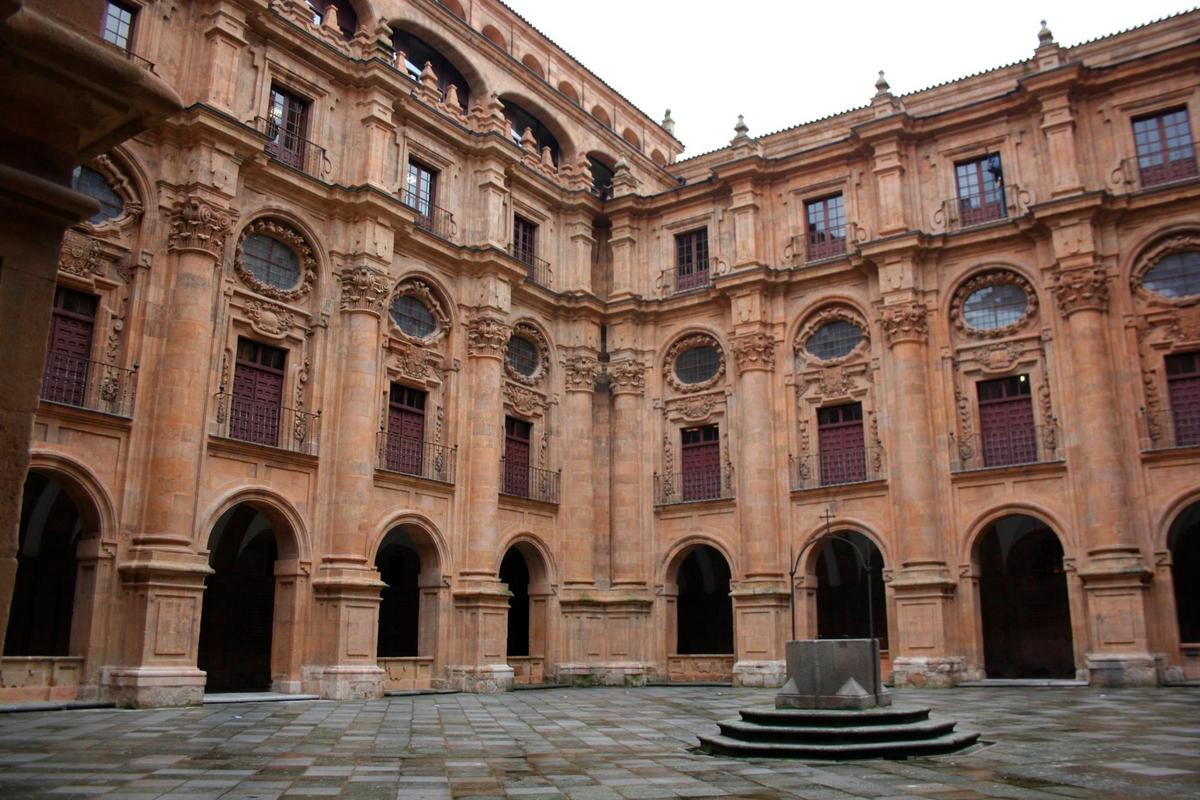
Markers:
point(725, 745)
point(808, 717)
point(749, 731)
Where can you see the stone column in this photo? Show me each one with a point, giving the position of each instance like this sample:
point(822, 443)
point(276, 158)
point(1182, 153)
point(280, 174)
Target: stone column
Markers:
point(578, 493)
point(347, 585)
point(923, 588)
point(379, 134)
point(1115, 576)
point(629, 475)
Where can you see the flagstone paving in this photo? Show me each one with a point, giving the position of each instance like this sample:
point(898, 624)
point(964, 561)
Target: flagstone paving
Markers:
point(592, 744)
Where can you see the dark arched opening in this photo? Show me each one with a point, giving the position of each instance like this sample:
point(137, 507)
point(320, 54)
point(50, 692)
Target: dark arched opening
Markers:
point(417, 52)
point(1183, 540)
point(399, 567)
point(1023, 601)
point(519, 120)
point(347, 17)
point(239, 603)
point(43, 601)
point(704, 609)
point(843, 589)
point(602, 169)
point(514, 571)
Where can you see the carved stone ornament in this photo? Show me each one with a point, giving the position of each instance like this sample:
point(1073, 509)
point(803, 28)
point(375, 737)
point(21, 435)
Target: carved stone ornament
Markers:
point(268, 318)
point(693, 409)
point(998, 357)
point(422, 291)
point(1080, 290)
point(1184, 324)
point(683, 345)
point(487, 336)
point(627, 376)
point(579, 373)
point(530, 332)
point(1166, 247)
point(824, 317)
point(756, 351)
point(416, 362)
point(364, 289)
point(904, 322)
point(79, 255)
point(131, 204)
point(298, 244)
point(197, 226)
point(999, 277)
point(525, 402)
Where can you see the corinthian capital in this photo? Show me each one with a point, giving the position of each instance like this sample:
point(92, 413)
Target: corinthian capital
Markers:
point(755, 351)
point(487, 336)
point(1080, 290)
point(199, 227)
point(580, 373)
point(627, 376)
point(364, 289)
point(904, 322)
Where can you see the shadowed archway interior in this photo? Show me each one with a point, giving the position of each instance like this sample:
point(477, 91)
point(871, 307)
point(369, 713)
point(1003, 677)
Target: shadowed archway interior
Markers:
point(1184, 544)
point(399, 567)
point(842, 589)
point(514, 571)
point(1023, 601)
point(704, 608)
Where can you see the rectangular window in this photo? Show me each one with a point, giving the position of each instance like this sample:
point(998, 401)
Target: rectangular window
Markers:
point(255, 408)
point(1006, 426)
point(421, 191)
point(691, 260)
point(980, 190)
point(840, 440)
point(118, 24)
point(1164, 147)
point(524, 240)
point(1183, 387)
point(69, 352)
point(826, 227)
point(406, 430)
point(700, 465)
point(517, 435)
point(287, 127)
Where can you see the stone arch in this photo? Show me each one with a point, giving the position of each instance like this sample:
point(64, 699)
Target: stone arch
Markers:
point(410, 555)
point(1175, 240)
point(278, 510)
point(434, 545)
point(455, 8)
point(533, 106)
point(698, 610)
point(1138, 257)
point(830, 309)
point(658, 158)
point(567, 89)
point(477, 83)
point(602, 116)
point(526, 568)
point(669, 563)
point(544, 568)
point(631, 136)
point(532, 63)
point(493, 35)
point(85, 489)
point(427, 287)
point(1177, 505)
point(979, 525)
point(981, 275)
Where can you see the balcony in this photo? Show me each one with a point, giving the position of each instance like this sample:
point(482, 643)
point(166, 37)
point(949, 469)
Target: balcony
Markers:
point(820, 247)
point(245, 420)
point(694, 486)
point(292, 150)
point(537, 270)
point(532, 483)
point(1150, 171)
point(409, 455)
point(430, 218)
point(1166, 430)
point(959, 213)
point(836, 468)
point(73, 381)
point(1035, 444)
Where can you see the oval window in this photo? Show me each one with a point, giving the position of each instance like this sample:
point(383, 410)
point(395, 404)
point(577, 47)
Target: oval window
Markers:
point(522, 356)
point(836, 339)
point(697, 364)
point(96, 186)
point(1176, 275)
point(994, 307)
point(413, 317)
point(271, 261)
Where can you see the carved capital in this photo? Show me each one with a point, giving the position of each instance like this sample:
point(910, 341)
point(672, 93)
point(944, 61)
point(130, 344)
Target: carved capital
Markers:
point(627, 376)
point(1080, 290)
point(487, 336)
point(904, 322)
point(579, 373)
point(364, 289)
point(756, 351)
point(198, 227)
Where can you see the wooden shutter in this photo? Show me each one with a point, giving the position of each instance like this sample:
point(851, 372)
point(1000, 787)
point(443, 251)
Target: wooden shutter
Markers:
point(1006, 422)
point(406, 430)
point(65, 377)
point(840, 439)
point(1183, 386)
point(517, 434)
point(700, 465)
point(256, 406)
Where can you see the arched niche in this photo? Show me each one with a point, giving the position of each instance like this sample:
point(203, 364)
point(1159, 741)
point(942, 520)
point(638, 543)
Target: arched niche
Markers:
point(493, 35)
point(602, 116)
point(568, 91)
point(532, 63)
point(630, 136)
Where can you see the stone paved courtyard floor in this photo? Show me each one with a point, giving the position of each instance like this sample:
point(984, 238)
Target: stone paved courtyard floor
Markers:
point(593, 744)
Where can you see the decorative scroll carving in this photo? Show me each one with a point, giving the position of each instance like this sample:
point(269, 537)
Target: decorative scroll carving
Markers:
point(580, 372)
point(527, 330)
point(131, 204)
point(687, 343)
point(804, 465)
point(1049, 423)
point(197, 226)
point(668, 460)
point(876, 444)
point(422, 291)
point(728, 464)
point(300, 426)
point(1184, 324)
point(1153, 405)
point(999, 277)
point(268, 318)
point(904, 322)
point(524, 401)
point(439, 424)
point(627, 376)
point(1148, 260)
point(363, 289)
point(290, 237)
point(486, 336)
point(112, 347)
point(694, 409)
point(834, 382)
point(756, 351)
point(1080, 290)
point(80, 255)
point(965, 425)
point(827, 315)
point(416, 362)
point(999, 357)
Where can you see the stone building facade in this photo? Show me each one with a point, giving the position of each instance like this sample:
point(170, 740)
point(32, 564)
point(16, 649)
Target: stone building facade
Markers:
point(410, 354)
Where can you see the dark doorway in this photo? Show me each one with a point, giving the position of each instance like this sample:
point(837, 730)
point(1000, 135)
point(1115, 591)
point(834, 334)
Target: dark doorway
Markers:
point(39, 622)
point(399, 612)
point(704, 623)
point(1023, 601)
point(515, 572)
point(1184, 543)
point(239, 603)
point(842, 589)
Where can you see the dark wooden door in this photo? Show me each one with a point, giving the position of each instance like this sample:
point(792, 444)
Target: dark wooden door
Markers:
point(288, 128)
point(700, 465)
point(256, 406)
point(65, 377)
point(840, 439)
point(406, 430)
point(517, 435)
point(1006, 422)
point(1183, 384)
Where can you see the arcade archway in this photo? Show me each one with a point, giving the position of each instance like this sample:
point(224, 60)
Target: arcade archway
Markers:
point(408, 563)
point(849, 573)
point(524, 571)
point(1183, 540)
point(703, 646)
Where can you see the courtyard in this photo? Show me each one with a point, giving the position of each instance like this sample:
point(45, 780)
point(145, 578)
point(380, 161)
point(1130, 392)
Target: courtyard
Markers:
point(592, 744)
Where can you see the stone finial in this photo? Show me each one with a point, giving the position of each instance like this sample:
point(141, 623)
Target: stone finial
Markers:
point(623, 181)
point(452, 96)
point(547, 158)
point(668, 123)
point(882, 87)
point(527, 141)
point(741, 130)
point(1044, 35)
point(429, 78)
point(330, 19)
point(584, 169)
point(1048, 54)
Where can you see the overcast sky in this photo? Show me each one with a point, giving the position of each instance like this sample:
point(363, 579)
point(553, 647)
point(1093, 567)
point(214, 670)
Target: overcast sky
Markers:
point(781, 63)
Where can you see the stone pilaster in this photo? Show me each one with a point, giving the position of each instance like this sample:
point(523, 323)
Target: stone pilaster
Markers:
point(580, 371)
point(627, 380)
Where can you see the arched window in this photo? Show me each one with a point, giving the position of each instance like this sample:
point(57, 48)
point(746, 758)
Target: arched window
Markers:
point(522, 355)
point(697, 364)
point(271, 261)
point(992, 307)
point(835, 339)
point(87, 181)
point(519, 119)
point(1175, 275)
point(413, 317)
point(417, 52)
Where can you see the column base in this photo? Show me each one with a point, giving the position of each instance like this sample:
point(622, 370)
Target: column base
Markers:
point(760, 674)
point(1113, 670)
point(153, 687)
point(483, 679)
point(933, 672)
point(621, 673)
point(346, 682)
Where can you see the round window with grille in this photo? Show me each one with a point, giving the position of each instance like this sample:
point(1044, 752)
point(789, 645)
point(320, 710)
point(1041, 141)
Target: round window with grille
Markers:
point(697, 364)
point(522, 356)
point(995, 307)
point(413, 317)
point(271, 261)
point(1176, 275)
point(96, 186)
point(836, 339)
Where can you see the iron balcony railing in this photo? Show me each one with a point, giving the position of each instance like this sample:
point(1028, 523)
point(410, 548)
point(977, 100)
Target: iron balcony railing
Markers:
point(836, 467)
point(532, 483)
point(430, 218)
point(258, 422)
point(1164, 430)
point(538, 269)
point(822, 245)
point(693, 486)
point(293, 150)
point(1174, 165)
point(981, 208)
point(94, 385)
point(409, 455)
point(1034, 444)
point(133, 57)
point(697, 278)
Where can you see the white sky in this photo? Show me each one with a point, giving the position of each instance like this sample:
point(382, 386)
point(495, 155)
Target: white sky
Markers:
point(781, 63)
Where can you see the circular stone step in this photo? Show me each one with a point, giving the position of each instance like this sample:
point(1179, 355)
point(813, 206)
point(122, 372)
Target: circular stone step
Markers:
point(825, 718)
point(724, 745)
point(748, 731)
